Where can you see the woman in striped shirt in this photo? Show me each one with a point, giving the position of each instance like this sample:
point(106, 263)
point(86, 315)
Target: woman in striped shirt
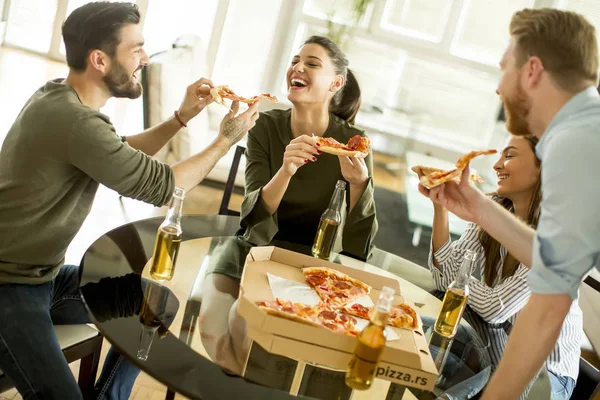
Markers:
point(498, 285)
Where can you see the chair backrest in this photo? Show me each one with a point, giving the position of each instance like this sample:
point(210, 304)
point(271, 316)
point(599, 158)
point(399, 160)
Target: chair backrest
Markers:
point(230, 184)
point(588, 382)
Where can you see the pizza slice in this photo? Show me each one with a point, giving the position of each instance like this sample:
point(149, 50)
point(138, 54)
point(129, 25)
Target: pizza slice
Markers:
point(319, 315)
point(335, 288)
point(357, 146)
point(220, 93)
point(429, 170)
point(401, 315)
point(293, 311)
point(433, 177)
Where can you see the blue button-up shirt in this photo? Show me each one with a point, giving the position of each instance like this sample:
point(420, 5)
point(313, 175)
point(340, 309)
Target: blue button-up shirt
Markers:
point(567, 241)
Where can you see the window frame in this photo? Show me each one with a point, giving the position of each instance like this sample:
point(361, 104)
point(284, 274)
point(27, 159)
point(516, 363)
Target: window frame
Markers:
point(53, 52)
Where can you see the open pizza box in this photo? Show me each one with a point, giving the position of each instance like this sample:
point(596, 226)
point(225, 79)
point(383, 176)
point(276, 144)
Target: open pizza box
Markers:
point(405, 360)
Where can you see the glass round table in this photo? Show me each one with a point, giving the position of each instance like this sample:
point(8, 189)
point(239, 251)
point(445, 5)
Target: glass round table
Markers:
point(187, 334)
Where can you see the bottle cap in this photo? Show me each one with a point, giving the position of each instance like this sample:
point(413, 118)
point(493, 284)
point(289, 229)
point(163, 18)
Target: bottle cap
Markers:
point(179, 192)
point(341, 184)
point(385, 299)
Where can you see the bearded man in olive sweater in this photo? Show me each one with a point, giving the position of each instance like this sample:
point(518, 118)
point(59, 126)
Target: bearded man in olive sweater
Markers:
point(57, 152)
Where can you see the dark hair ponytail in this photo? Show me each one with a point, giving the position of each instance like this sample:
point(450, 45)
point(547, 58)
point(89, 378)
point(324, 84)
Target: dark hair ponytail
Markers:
point(346, 102)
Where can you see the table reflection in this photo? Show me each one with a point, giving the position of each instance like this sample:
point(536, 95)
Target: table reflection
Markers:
point(128, 296)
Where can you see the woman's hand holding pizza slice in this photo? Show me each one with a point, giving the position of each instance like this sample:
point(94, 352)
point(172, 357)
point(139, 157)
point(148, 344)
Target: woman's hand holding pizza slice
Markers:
point(354, 170)
point(299, 152)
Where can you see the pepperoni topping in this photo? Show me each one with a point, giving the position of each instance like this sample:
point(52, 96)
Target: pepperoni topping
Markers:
point(342, 285)
point(354, 142)
point(315, 280)
point(327, 314)
point(359, 307)
point(331, 325)
point(324, 288)
point(345, 318)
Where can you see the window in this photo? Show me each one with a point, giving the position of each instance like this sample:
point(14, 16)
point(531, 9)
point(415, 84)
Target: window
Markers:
point(31, 24)
point(453, 104)
point(482, 31)
point(588, 8)
point(74, 4)
point(339, 11)
point(423, 19)
point(167, 20)
point(377, 67)
point(242, 59)
point(453, 101)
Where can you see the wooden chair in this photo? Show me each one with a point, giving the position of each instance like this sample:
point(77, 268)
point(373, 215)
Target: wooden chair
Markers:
point(78, 342)
point(588, 381)
point(230, 185)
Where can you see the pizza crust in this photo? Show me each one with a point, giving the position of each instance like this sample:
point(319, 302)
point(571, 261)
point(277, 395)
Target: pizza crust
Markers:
point(214, 92)
point(342, 152)
point(437, 179)
point(289, 316)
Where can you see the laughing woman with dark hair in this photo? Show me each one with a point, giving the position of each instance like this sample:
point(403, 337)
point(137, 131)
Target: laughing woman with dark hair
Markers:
point(498, 285)
point(288, 181)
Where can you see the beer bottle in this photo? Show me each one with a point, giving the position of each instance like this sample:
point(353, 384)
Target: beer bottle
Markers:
point(455, 299)
point(370, 344)
point(330, 222)
point(168, 238)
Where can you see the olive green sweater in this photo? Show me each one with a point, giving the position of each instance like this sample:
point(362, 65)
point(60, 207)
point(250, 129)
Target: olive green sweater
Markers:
point(308, 194)
point(55, 155)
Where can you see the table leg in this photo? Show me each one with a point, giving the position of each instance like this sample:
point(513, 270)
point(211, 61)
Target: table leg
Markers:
point(395, 392)
point(297, 380)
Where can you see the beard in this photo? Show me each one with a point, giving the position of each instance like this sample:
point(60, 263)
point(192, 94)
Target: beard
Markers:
point(517, 109)
point(120, 83)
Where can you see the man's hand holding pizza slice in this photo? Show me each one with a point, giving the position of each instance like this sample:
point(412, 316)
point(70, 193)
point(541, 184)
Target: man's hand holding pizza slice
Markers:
point(462, 199)
point(452, 190)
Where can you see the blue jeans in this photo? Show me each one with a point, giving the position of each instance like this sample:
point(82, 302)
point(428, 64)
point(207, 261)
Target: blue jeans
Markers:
point(561, 386)
point(29, 351)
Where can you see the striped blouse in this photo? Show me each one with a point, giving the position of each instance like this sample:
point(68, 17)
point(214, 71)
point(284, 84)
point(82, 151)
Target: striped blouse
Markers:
point(501, 302)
